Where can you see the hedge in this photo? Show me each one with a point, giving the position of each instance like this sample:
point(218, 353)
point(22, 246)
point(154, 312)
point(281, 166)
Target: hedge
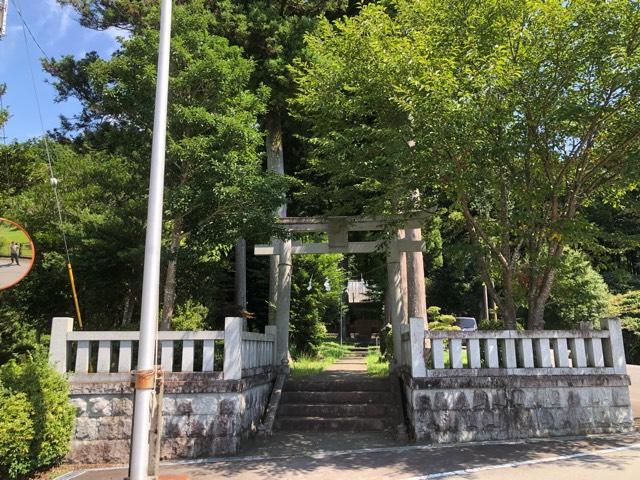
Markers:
point(36, 418)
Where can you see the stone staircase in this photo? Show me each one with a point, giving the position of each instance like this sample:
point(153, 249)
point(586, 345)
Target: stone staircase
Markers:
point(340, 399)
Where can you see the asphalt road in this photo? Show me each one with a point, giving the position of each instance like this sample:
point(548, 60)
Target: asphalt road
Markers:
point(598, 458)
point(10, 273)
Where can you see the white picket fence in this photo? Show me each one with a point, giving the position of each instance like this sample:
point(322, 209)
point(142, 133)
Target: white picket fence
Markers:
point(511, 352)
point(244, 353)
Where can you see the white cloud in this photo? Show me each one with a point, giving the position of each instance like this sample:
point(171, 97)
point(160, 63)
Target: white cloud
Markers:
point(57, 19)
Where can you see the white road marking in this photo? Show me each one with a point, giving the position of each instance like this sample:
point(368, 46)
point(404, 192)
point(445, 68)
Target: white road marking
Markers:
point(467, 471)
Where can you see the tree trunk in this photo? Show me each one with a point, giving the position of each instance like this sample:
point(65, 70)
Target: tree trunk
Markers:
point(538, 301)
point(275, 163)
point(509, 315)
point(127, 311)
point(405, 280)
point(241, 278)
point(169, 294)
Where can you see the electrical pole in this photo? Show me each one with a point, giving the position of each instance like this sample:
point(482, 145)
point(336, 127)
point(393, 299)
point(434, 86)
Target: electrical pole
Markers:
point(4, 7)
point(145, 373)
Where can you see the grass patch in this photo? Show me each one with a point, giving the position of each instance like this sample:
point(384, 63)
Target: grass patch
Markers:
point(376, 365)
point(8, 234)
point(447, 359)
point(328, 353)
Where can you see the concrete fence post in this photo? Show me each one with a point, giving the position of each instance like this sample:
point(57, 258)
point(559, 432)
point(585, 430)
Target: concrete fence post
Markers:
point(416, 329)
point(60, 327)
point(232, 348)
point(613, 346)
point(272, 331)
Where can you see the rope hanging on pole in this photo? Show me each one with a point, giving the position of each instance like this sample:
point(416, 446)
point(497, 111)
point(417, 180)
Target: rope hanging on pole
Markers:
point(52, 179)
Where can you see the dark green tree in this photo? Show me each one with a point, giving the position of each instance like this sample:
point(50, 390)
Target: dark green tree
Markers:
point(215, 187)
point(521, 112)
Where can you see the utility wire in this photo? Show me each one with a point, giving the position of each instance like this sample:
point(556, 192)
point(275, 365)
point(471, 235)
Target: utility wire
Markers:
point(24, 22)
point(53, 180)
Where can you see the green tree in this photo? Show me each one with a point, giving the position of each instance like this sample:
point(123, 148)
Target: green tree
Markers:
point(579, 293)
point(4, 114)
point(215, 189)
point(102, 222)
point(521, 112)
point(312, 309)
point(615, 242)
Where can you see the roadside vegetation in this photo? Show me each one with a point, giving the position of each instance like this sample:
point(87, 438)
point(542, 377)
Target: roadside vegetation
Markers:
point(36, 418)
point(328, 353)
point(377, 365)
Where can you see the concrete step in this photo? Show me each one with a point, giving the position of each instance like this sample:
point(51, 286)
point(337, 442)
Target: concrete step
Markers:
point(347, 397)
point(320, 424)
point(333, 410)
point(342, 385)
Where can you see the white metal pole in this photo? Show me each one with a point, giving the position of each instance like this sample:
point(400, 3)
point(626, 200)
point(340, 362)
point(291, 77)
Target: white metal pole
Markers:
point(139, 460)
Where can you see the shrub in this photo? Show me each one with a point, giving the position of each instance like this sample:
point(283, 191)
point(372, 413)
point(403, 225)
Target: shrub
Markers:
point(438, 326)
point(491, 324)
point(189, 316)
point(53, 416)
point(579, 293)
point(439, 321)
point(627, 307)
point(16, 434)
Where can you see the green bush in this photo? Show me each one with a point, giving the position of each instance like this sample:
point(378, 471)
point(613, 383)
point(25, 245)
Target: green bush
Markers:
point(52, 415)
point(491, 324)
point(579, 294)
point(16, 434)
point(439, 326)
point(440, 321)
point(189, 316)
point(627, 307)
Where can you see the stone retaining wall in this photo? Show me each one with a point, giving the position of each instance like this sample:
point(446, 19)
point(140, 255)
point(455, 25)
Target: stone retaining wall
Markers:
point(463, 409)
point(203, 415)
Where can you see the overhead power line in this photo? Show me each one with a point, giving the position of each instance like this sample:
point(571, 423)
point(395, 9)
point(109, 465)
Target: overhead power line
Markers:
point(26, 26)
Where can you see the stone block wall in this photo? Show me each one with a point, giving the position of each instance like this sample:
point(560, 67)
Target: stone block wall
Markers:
point(203, 416)
point(463, 409)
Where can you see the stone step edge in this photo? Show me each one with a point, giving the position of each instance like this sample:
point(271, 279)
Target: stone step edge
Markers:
point(337, 392)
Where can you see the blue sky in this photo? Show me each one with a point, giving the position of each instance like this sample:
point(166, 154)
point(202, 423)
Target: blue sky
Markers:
point(58, 32)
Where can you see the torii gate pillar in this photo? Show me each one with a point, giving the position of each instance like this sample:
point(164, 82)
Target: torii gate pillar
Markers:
point(283, 301)
point(396, 301)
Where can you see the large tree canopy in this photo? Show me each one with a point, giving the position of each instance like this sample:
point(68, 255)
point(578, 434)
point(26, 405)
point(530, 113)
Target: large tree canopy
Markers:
point(521, 112)
point(215, 188)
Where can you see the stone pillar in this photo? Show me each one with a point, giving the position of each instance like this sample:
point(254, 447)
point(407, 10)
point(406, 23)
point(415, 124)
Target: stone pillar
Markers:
point(417, 297)
point(284, 302)
point(232, 348)
point(613, 346)
point(405, 280)
point(60, 327)
point(394, 286)
point(274, 261)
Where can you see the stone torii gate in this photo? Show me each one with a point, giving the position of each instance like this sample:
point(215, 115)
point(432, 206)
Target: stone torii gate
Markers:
point(337, 229)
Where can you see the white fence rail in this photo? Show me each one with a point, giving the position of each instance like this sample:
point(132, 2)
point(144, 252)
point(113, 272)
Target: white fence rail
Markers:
point(233, 352)
point(511, 352)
